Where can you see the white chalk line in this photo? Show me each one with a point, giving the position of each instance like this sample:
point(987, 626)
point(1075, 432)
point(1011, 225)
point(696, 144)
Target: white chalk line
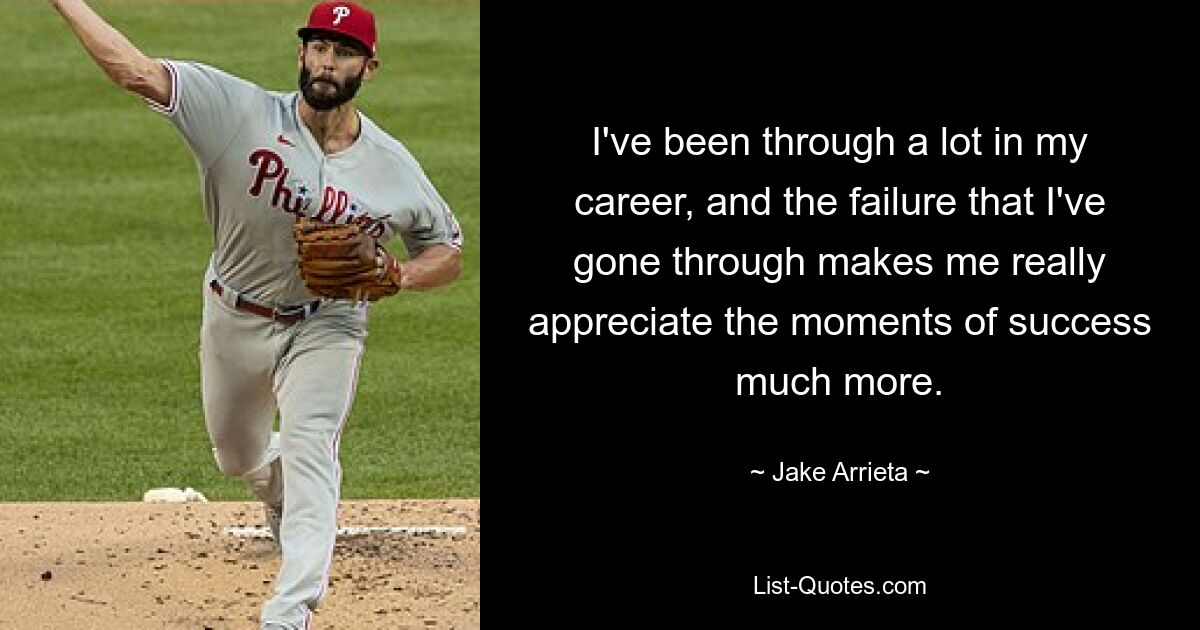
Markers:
point(353, 532)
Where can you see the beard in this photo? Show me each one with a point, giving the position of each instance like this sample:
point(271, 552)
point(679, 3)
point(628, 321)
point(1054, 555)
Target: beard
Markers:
point(329, 95)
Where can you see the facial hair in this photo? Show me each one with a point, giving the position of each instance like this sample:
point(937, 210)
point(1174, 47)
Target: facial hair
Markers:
point(323, 102)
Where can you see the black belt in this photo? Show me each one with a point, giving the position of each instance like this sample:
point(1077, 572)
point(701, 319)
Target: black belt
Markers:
point(286, 317)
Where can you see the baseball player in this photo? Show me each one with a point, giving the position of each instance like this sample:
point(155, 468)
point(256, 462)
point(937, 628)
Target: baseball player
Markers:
point(272, 165)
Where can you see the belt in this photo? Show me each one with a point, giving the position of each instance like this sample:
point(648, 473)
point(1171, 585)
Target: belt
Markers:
point(286, 316)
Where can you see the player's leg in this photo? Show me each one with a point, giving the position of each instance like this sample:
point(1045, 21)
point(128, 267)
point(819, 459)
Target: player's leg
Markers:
point(315, 389)
point(237, 361)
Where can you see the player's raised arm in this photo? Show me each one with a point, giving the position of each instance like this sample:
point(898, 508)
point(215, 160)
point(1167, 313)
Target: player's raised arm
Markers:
point(127, 66)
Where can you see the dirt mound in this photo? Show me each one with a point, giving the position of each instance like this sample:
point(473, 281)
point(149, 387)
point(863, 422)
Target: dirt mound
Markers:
point(138, 565)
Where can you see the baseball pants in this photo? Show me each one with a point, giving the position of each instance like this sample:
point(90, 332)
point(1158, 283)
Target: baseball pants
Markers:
point(251, 366)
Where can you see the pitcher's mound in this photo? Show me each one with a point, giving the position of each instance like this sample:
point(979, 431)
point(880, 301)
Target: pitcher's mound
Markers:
point(139, 565)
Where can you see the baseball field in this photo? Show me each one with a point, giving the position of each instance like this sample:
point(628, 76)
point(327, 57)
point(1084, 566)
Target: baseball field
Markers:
point(102, 255)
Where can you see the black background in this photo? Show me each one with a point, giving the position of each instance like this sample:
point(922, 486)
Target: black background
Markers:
point(620, 465)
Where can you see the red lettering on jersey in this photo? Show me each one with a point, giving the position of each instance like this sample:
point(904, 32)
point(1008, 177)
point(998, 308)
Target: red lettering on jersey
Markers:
point(283, 194)
point(328, 196)
point(334, 202)
point(343, 201)
point(270, 166)
point(373, 226)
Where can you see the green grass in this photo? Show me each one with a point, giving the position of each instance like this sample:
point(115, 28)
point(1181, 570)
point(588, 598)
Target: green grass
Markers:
point(104, 244)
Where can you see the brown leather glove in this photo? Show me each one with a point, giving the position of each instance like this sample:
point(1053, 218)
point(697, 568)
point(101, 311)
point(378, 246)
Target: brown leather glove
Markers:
point(344, 262)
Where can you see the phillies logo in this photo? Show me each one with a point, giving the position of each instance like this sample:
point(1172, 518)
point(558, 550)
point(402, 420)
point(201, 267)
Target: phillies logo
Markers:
point(341, 12)
point(268, 165)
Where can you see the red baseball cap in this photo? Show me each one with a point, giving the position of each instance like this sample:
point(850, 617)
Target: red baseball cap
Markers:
point(345, 18)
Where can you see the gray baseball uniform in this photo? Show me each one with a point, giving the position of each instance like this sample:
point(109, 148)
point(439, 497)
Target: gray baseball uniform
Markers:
point(260, 168)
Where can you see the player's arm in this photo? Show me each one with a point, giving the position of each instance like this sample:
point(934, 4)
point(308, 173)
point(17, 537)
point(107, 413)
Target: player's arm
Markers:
point(127, 66)
point(435, 266)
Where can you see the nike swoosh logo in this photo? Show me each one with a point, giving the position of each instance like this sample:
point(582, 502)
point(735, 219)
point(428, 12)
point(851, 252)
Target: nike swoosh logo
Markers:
point(285, 140)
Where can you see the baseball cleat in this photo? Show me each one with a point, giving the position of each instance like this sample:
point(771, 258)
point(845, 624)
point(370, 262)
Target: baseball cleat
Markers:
point(274, 519)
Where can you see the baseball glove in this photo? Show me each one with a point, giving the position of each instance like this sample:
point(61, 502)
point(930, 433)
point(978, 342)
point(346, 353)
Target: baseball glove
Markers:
point(344, 262)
